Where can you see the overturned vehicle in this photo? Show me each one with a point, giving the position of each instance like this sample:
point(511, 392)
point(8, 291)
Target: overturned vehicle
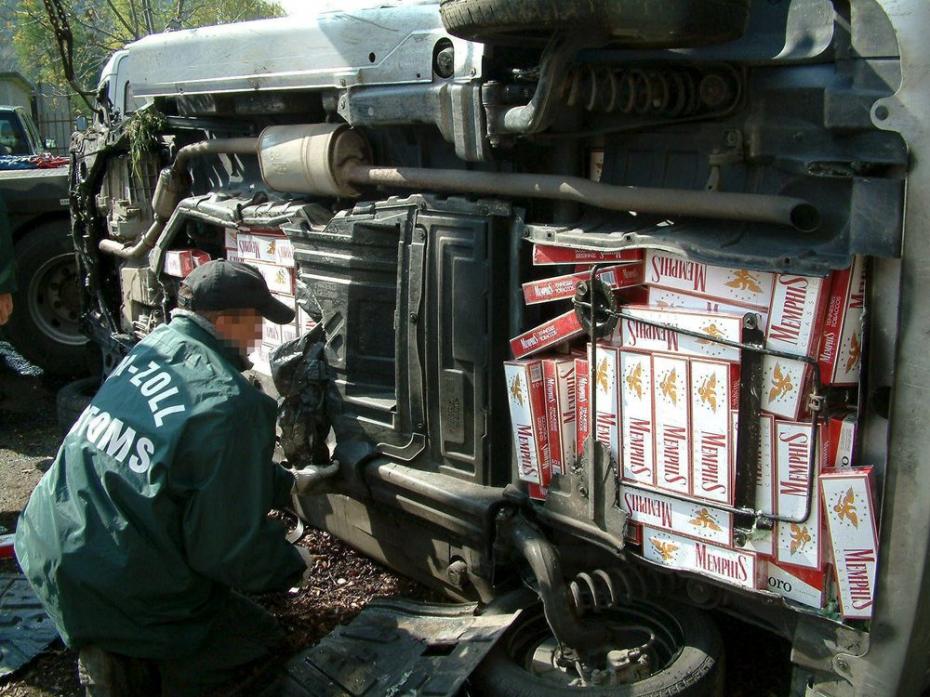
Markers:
point(583, 290)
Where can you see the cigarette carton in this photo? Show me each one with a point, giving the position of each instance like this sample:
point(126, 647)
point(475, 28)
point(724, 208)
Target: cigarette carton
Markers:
point(582, 404)
point(637, 425)
point(671, 398)
point(180, 262)
point(558, 329)
point(564, 287)
point(797, 543)
point(800, 585)
point(231, 238)
point(636, 334)
point(279, 279)
point(232, 254)
point(269, 248)
point(759, 540)
point(683, 553)
point(695, 520)
point(273, 335)
point(795, 322)
point(633, 533)
point(559, 377)
point(549, 255)
point(528, 419)
point(537, 492)
point(838, 441)
point(850, 513)
point(673, 299)
point(841, 344)
point(713, 395)
point(720, 283)
point(606, 386)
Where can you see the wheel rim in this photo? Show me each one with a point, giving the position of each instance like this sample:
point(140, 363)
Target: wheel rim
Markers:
point(533, 647)
point(53, 300)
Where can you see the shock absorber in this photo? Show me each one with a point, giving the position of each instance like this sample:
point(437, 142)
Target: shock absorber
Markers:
point(650, 92)
point(602, 589)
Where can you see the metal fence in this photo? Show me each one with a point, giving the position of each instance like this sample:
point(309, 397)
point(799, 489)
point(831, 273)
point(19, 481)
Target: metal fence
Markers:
point(54, 116)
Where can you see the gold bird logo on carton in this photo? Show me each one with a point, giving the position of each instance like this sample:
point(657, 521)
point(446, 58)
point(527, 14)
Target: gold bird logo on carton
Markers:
point(704, 520)
point(781, 384)
point(665, 548)
point(634, 380)
point(272, 247)
point(711, 330)
point(845, 507)
point(669, 386)
point(603, 375)
point(743, 280)
point(855, 353)
point(516, 390)
point(800, 538)
point(708, 392)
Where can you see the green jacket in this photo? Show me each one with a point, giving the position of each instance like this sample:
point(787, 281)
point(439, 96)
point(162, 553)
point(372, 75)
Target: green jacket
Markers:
point(7, 267)
point(156, 503)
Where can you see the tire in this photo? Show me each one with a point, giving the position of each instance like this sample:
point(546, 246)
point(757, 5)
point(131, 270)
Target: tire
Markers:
point(72, 399)
point(46, 306)
point(692, 668)
point(632, 23)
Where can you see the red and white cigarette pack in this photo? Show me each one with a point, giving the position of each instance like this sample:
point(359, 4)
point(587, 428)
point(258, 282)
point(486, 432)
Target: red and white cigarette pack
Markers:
point(841, 343)
point(273, 335)
point(850, 513)
point(550, 255)
point(714, 385)
point(799, 544)
point(637, 422)
point(559, 377)
point(800, 585)
point(684, 517)
point(671, 389)
point(721, 283)
point(526, 393)
point(795, 323)
point(673, 299)
point(563, 287)
point(684, 553)
point(180, 262)
point(279, 279)
point(548, 334)
point(582, 404)
point(607, 389)
point(269, 247)
point(638, 335)
point(759, 540)
point(838, 441)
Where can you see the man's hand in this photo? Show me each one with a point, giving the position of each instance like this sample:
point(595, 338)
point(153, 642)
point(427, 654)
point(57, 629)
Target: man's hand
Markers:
point(6, 307)
point(314, 479)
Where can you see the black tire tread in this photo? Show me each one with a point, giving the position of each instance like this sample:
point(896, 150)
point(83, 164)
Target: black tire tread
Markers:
point(696, 672)
point(72, 399)
point(657, 23)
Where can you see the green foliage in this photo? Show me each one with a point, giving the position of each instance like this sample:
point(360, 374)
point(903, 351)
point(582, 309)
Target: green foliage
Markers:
point(100, 27)
point(142, 130)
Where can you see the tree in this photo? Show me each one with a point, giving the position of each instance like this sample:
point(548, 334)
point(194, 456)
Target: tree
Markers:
point(99, 28)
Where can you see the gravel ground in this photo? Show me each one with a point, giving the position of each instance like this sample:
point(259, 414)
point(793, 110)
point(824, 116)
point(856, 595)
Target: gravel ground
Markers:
point(757, 663)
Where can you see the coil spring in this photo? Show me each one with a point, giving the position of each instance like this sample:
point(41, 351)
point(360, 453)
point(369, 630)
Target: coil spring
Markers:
point(666, 92)
point(601, 589)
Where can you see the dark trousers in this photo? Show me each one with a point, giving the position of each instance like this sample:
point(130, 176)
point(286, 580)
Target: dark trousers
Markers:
point(244, 632)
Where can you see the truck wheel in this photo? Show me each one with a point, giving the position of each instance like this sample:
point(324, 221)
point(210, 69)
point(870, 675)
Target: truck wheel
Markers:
point(72, 400)
point(686, 656)
point(640, 23)
point(47, 305)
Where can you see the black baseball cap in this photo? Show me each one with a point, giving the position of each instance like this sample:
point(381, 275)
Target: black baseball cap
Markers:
point(231, 285)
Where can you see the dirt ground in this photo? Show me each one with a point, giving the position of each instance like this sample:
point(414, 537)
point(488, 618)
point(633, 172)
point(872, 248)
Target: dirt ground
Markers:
point(757, 663)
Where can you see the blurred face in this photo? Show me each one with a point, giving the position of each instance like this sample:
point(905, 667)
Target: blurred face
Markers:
point(241, 328)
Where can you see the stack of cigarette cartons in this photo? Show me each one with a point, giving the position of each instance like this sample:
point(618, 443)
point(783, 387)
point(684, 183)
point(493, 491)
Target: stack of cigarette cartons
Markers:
point(272, 254)
point(667, 412)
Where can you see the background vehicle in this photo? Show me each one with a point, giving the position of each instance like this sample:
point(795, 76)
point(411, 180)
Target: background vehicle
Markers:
point(411, 236)
point(44, 327)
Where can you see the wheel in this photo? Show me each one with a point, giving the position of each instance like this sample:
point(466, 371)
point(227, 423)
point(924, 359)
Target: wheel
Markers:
point(46, 306)
point(684, 649)
point(72, 399)
point(640, 23)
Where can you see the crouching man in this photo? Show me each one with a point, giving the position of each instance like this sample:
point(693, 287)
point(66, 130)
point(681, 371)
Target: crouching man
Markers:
point(155, 508)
